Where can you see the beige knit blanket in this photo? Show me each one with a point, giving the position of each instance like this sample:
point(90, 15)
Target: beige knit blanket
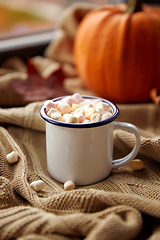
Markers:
point(126, 205)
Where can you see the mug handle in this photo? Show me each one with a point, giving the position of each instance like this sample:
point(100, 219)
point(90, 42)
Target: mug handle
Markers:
point(131, 128)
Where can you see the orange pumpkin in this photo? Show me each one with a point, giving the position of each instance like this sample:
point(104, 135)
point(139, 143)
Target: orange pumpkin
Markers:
point(117, 51)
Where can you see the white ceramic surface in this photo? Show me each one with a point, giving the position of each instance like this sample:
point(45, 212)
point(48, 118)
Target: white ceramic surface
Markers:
point(84, 154)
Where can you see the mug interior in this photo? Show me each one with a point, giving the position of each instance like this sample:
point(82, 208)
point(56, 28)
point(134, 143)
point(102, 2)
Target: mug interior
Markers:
point(81, 125)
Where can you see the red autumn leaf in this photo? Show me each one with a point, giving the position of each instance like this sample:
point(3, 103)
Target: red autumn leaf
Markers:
point(155, 97)
point(37, 88)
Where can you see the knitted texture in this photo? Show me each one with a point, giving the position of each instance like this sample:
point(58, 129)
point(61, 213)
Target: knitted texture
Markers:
point(111, 209)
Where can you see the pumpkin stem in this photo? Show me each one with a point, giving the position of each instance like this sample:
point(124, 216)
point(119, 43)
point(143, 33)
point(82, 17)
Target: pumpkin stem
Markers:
point(134, 6)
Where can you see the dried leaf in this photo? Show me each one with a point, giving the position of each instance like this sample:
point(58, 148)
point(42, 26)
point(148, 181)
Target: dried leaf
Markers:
point(155, 97)
point(37, 88)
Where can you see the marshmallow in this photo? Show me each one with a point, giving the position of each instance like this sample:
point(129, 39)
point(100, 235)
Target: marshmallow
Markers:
point(86, 121)
point(95, 102)
point(136, 164)
point(65, 116)
point(89, 112)
point(88, 100)
point(82, 104)
point(75, 106)
point(68, 100)
point(89, 105)
point(96, 117)
point(49, 104)
point(79, 110)
point(56, 103)
point(57, 116)
point(72, 119)
point(104, 106)
point(100, 111)
point(37, 185)
point(64, 107)
point(69, 185)
point(77, 98)
point(80, 117)
point(12, 157)
point(52, 110)
point(106, 115)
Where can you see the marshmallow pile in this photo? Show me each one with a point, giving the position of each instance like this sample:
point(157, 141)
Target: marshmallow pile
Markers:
point(76, 109)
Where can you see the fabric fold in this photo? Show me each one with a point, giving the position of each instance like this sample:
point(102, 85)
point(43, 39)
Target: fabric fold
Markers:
point(21, 221)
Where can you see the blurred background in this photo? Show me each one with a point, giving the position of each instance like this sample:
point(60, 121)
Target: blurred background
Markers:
point(27, 26)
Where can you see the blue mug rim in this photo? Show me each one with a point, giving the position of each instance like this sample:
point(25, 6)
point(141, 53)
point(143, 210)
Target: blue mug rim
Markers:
point(81, 125)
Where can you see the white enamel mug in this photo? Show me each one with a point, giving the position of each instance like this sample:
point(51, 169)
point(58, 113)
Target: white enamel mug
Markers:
point(84, 152)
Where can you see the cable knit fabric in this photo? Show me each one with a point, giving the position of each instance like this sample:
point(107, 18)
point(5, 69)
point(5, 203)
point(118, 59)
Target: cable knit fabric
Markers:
point(115, 208)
